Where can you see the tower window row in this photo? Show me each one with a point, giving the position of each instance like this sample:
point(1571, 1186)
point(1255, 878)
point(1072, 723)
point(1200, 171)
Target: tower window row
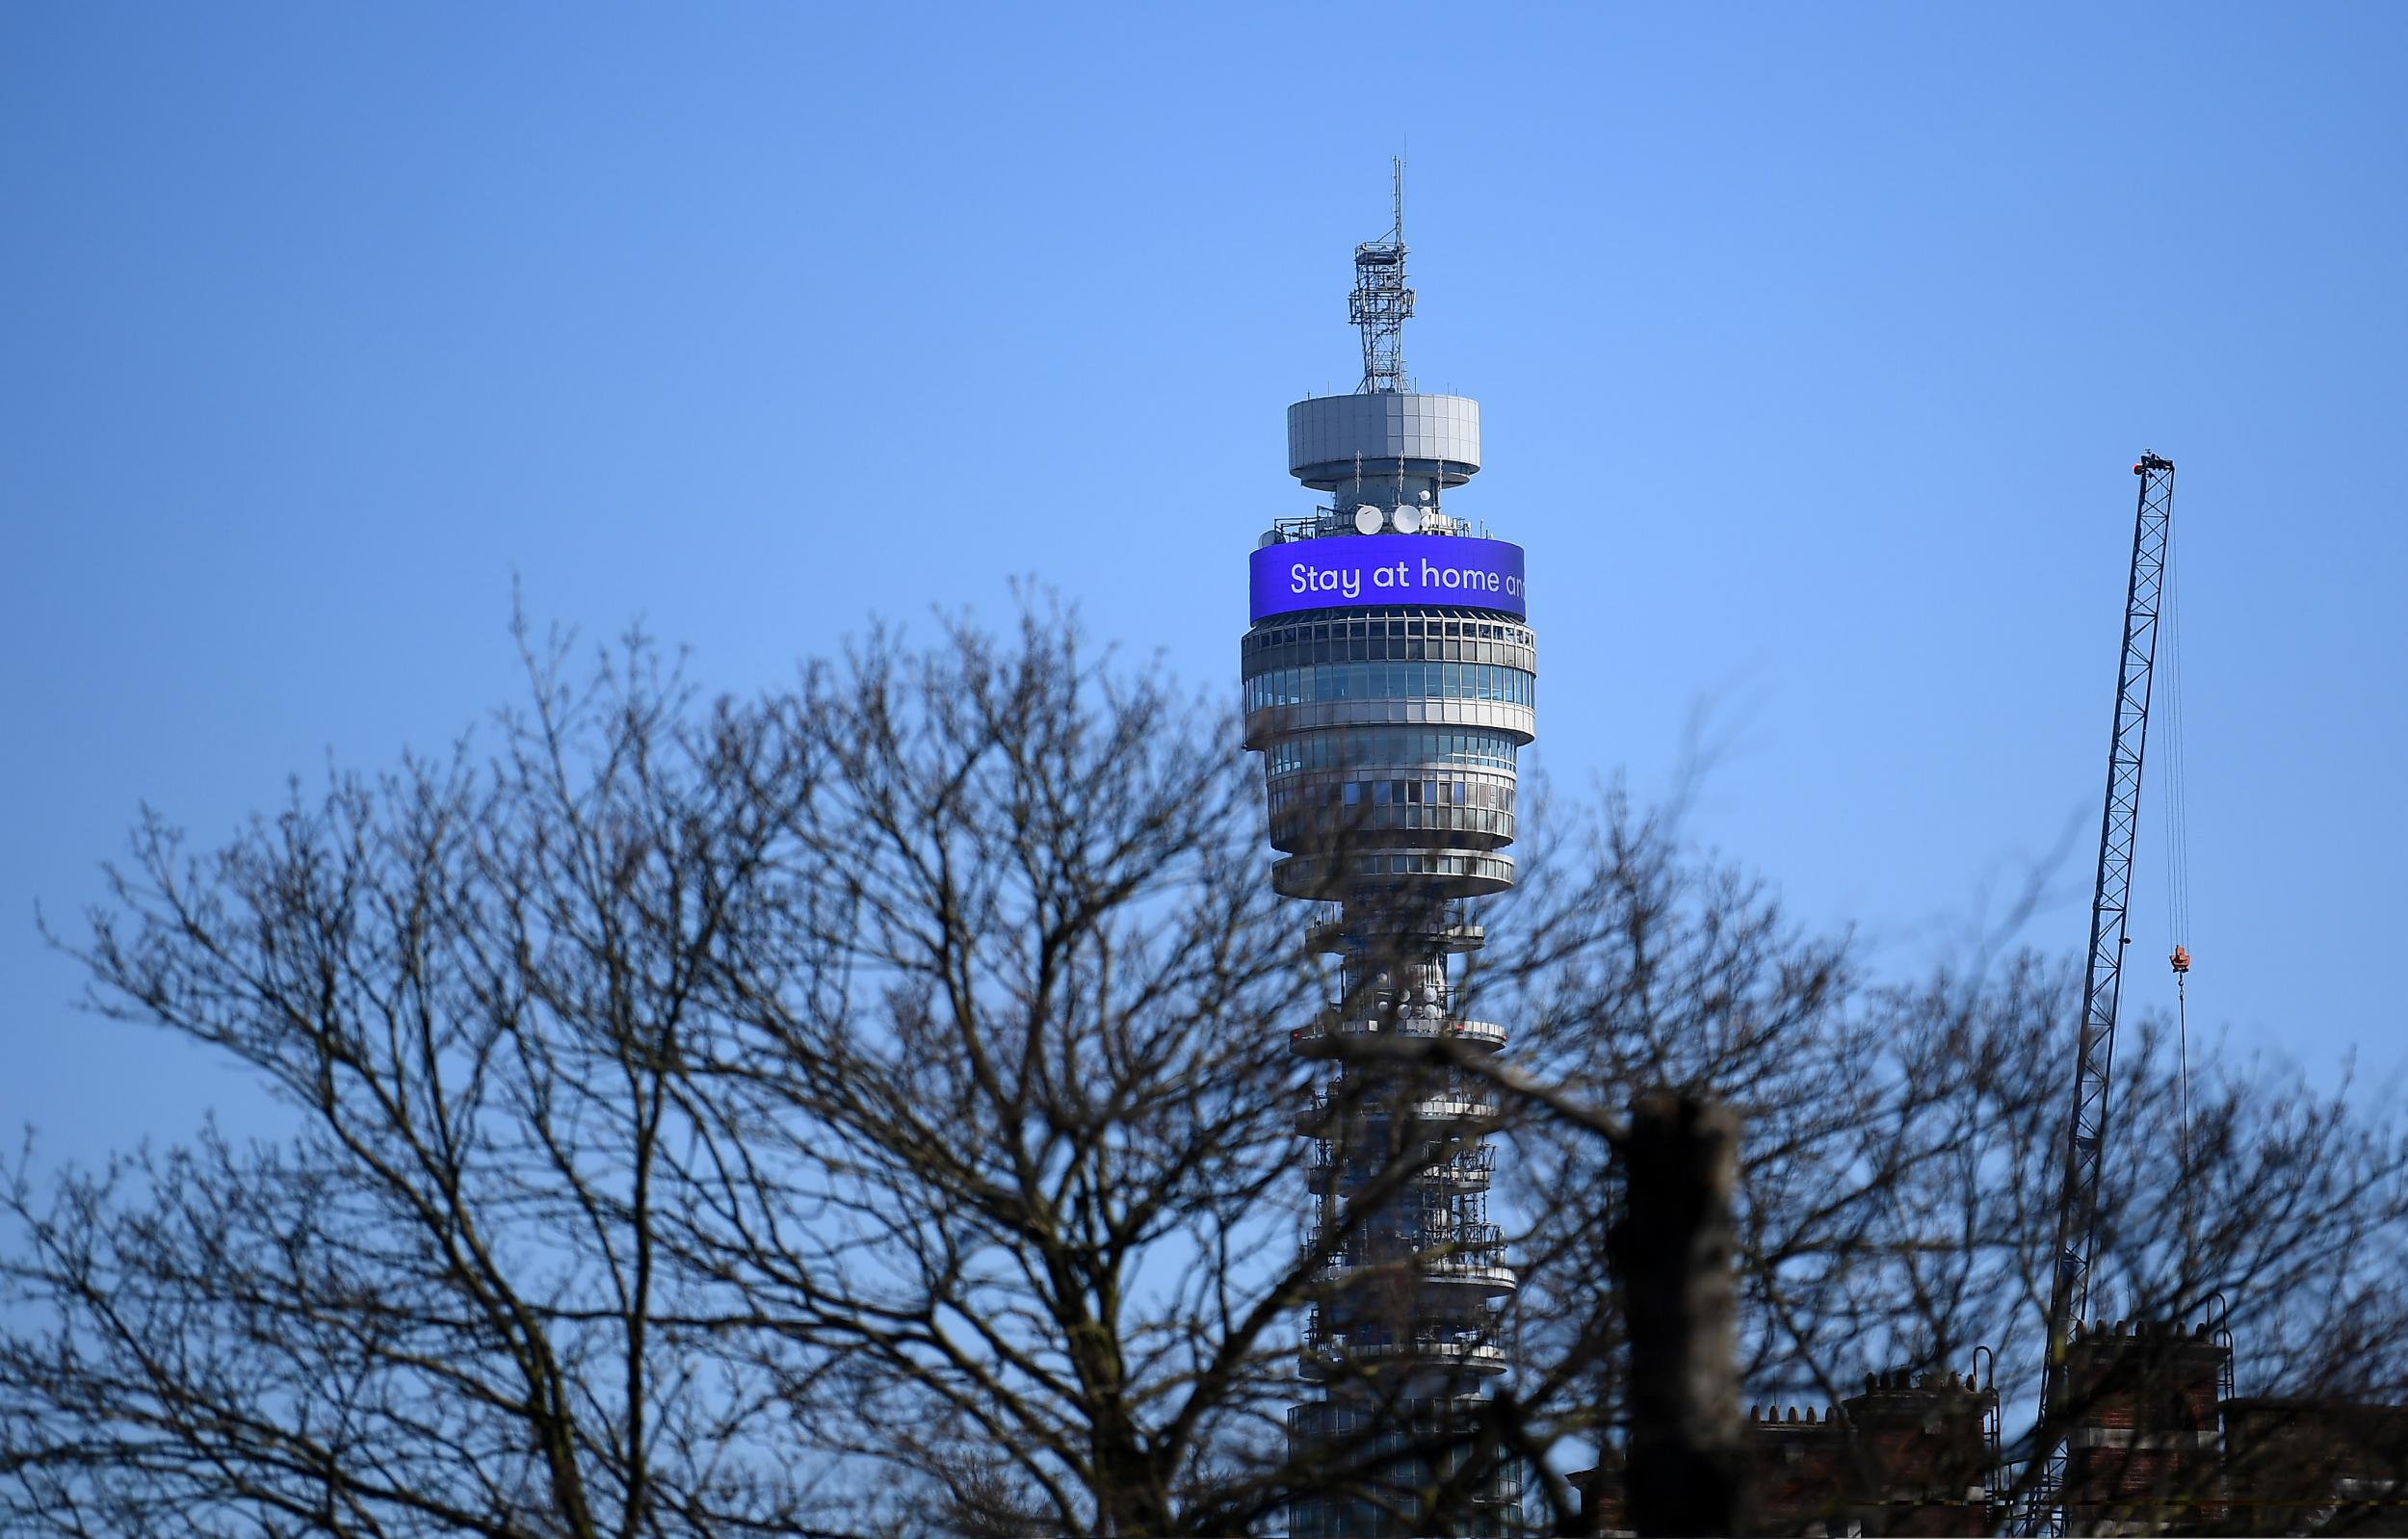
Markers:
point(1400, 626)
point(1417, 638)
point(1377, 649)
point(1426, 863)
point(1394, 794)
point(1388, 680)
point(1311, 827)
point(1339, 749)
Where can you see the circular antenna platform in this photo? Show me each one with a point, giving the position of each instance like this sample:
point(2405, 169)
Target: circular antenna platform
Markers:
point(1408, 519)
point(1367, 519)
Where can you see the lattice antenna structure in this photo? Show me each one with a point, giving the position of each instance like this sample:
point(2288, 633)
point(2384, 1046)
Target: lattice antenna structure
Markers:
point(1380, 301)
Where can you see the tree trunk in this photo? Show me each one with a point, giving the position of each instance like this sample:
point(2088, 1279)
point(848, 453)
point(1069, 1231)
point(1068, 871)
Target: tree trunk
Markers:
point(1671, 1258)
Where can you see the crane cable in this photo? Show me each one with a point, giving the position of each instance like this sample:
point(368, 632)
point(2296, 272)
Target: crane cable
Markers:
point(2177, 859)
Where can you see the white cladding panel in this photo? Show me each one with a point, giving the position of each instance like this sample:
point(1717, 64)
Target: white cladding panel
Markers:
point(1331, 431)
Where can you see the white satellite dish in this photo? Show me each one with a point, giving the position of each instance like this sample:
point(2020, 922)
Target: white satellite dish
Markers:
point(1424, 494)
point(1367, 519)
point(1408, 519)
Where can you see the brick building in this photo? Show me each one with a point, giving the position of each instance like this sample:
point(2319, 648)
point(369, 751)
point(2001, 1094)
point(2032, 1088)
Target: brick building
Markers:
point(2163, 1446)
point(2160, 1444)
point(1906, 1456)
point(2324, 1466)
point(2144, 1453)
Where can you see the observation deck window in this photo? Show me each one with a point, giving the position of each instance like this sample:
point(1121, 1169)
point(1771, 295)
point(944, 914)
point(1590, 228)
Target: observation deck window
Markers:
point(1343, 747)
point(1391, 639)
point(1388, 680)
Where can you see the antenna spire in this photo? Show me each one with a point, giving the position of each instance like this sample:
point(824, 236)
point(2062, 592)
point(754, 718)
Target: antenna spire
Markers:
point(1380, 301)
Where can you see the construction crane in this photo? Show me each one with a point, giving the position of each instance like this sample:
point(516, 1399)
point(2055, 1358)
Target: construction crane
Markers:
point(2102, 981)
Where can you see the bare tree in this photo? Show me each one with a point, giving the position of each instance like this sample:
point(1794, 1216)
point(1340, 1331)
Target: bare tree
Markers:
point(439, 1306)
point(1900, 1145)
point(994, 1138)
point(865, 1107)
point(869, 1108)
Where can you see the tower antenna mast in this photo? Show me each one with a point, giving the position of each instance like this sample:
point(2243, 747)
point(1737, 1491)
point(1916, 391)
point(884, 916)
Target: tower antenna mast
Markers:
point(1380, 301)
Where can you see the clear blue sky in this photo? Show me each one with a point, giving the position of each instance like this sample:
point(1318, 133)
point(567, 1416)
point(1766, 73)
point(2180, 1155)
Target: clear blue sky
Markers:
point(1814, 342)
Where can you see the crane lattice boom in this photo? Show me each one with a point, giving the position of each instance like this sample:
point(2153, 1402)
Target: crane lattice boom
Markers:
point(2085, 1135)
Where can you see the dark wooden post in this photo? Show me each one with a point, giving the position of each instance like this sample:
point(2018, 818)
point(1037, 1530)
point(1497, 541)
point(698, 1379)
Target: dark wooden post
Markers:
point(1671, 1258)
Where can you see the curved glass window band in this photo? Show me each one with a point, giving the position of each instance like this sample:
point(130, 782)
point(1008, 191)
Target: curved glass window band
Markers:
point(1342, 748)
point(1390, 681)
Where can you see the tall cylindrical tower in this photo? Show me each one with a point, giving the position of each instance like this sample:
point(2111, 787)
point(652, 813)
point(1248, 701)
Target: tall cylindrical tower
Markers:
point(1389, 675)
